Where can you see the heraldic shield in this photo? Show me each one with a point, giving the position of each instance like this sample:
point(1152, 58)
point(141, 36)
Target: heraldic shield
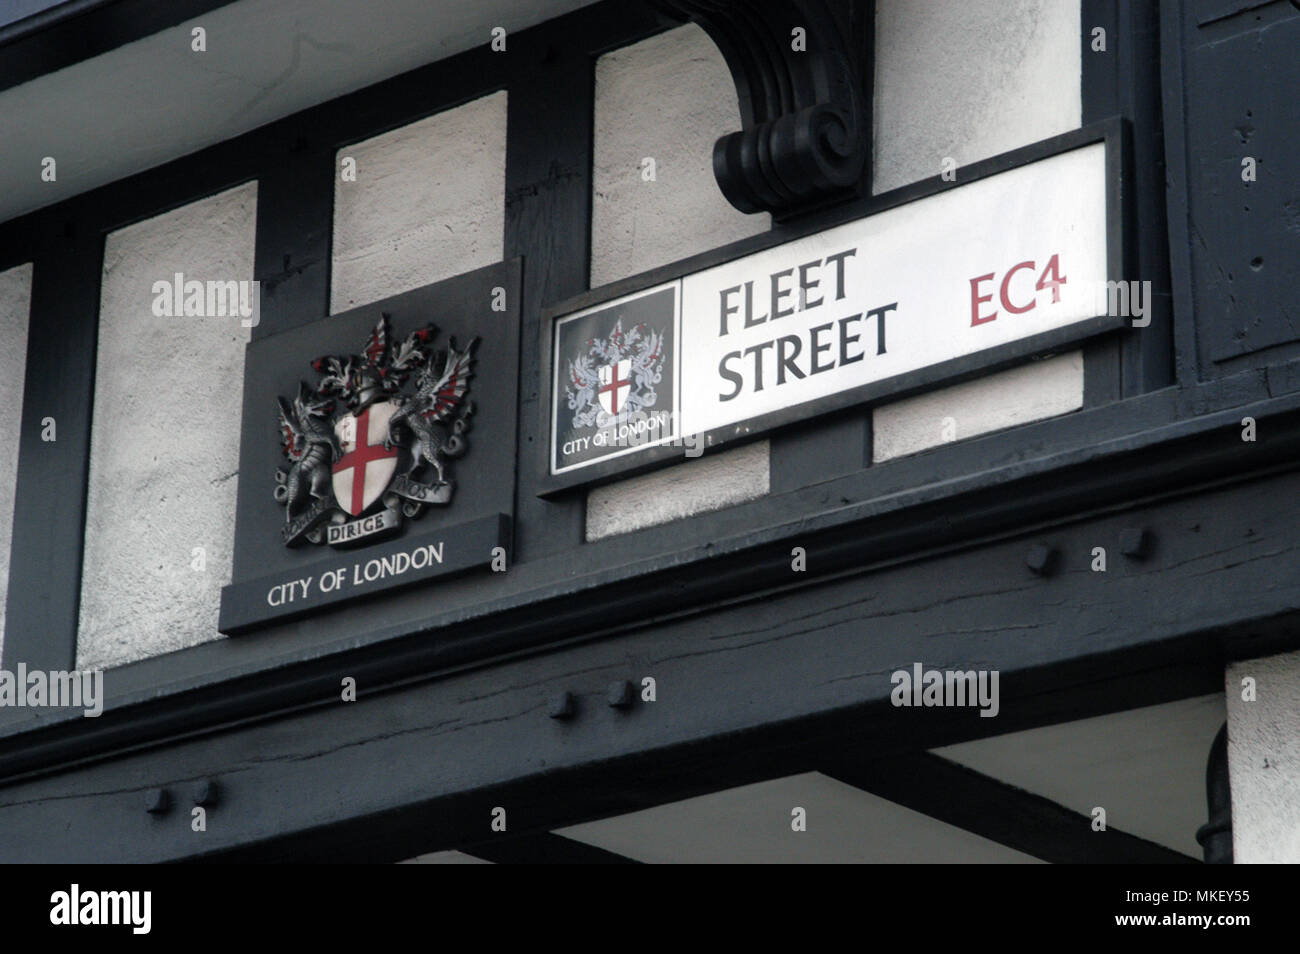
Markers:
point(366, 468)
point(406, 406)
point(615, 385)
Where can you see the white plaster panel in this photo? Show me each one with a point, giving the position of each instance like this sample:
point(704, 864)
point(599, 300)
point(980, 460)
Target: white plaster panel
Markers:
point(15, 306)
point(1030, 392)
point(752, 824)
point(667, 98)
point(1145, 767)
point(164, 450)
point(1264, 760)
point(697, 485)
point(444, 858)
point(428, 203)
point(970, 80)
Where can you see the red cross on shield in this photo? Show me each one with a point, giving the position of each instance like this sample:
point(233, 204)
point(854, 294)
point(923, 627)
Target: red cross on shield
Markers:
point(364, 471)
point(615, 385)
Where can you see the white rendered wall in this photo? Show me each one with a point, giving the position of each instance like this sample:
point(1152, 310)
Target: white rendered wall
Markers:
point(1264, 760)
point(164, 449)
point(667, 98)
point(428, 203)
point(695, 486)
point(15, 305)
point(1029, 392)
point(970, 80)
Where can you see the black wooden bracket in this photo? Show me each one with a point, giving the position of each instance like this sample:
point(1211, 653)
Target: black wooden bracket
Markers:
point(1215, 836)
point(802, 70)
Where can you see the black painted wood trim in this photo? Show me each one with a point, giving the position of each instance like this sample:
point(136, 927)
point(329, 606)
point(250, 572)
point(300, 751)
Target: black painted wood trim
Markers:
point(44, 596)
point(1173, 77)
point(935, 501)
point(1099, 91)
point(1148, 356)
point(992, 809)
point(328, 126)
point(310, 786)
point(1124, 81)
point(295, 230)
point(548, 223)
point(1094, 459)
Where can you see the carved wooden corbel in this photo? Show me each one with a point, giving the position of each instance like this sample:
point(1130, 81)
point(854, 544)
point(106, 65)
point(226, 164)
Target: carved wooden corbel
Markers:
point(802, 71)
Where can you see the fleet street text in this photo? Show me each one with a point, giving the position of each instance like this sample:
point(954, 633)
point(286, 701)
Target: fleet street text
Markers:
point(804, 351)
point(781, 291)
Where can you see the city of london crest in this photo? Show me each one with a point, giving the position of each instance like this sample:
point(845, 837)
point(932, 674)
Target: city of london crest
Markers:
point(616, 376)
point(370, 444)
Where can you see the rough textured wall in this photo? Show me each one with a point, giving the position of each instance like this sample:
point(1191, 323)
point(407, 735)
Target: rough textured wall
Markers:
point(1027, 393)
point(667, 99)
point(1264, 760)
point(164, 450)
point(970, 80)
point(699, 484)
point(15, 303)
point(428, 203)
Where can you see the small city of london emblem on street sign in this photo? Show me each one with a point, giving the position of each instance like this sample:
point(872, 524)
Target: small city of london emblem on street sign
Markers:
point(371, 443)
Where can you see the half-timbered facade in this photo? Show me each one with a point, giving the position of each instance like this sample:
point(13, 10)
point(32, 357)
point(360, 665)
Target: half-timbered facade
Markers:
point(538, 430)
